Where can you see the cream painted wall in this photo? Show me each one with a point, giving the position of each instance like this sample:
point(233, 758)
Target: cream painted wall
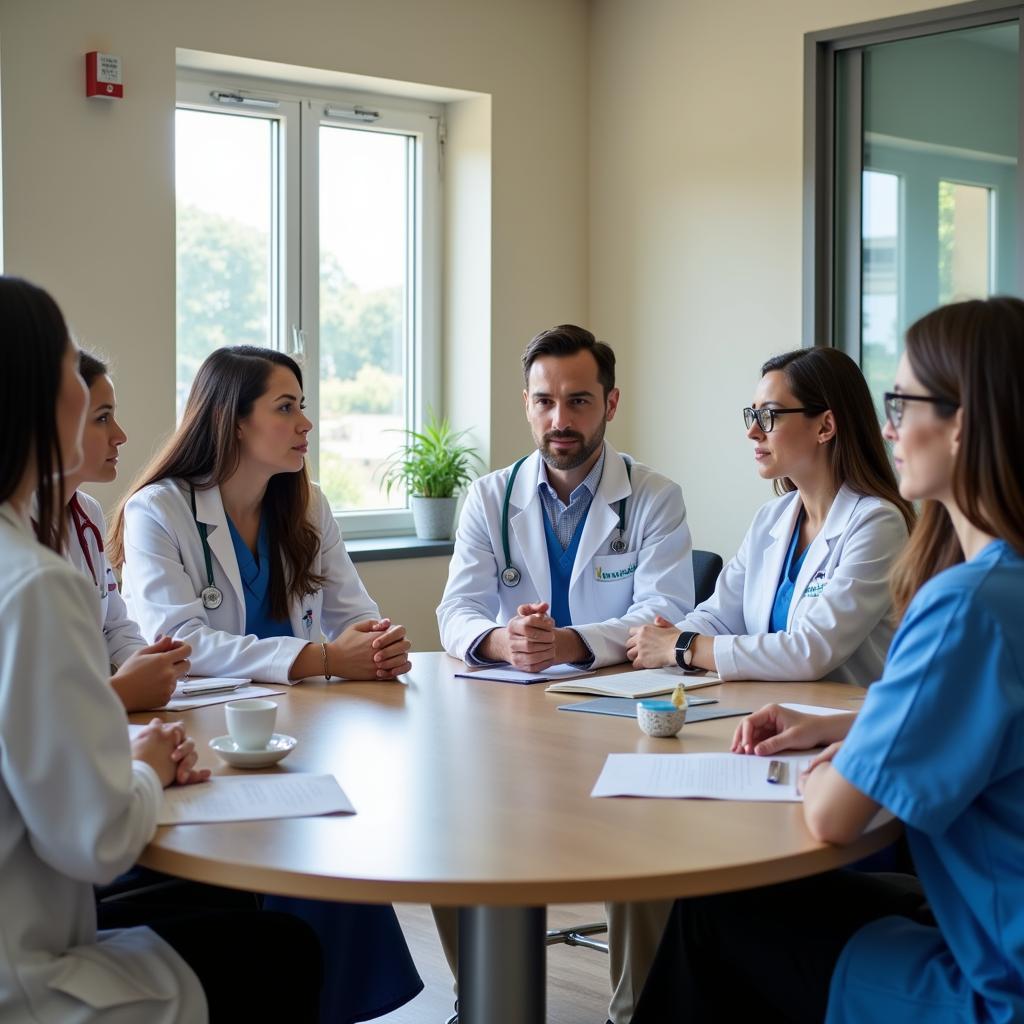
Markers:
point(696, 151)
point(89, 195)
point(405, 589)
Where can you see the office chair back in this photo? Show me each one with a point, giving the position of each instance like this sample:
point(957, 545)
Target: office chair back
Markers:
point(706, 567)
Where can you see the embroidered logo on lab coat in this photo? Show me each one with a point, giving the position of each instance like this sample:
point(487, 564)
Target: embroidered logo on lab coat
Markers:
point(611, 575)
point(816, 586)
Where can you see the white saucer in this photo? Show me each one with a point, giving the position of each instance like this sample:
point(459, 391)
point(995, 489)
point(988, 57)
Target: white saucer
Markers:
point(228, 750)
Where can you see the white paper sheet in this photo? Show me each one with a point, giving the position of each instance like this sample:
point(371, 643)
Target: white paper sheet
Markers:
point(813, 709)
point(179, 702)
point(648, 682)
point(714, 776)
point(505, 674)
point(254, 798)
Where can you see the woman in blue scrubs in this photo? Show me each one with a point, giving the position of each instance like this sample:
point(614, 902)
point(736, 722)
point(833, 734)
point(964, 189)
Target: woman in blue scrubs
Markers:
point(939, 743)
point(228, 546)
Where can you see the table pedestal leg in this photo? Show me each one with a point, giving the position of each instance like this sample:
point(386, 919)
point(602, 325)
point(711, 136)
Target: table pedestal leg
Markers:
point(501, 965)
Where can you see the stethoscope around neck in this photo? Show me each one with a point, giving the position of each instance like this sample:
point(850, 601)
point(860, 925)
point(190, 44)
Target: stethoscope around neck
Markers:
point(83, 527)
point(211, 595)
point(510, 575)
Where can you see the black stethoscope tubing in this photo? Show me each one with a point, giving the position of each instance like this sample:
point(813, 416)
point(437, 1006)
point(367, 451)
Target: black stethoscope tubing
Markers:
point(211, 594)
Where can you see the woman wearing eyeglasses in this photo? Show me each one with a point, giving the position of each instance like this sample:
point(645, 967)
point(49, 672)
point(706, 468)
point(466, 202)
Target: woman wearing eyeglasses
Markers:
point(939, 743)
point(806, 596)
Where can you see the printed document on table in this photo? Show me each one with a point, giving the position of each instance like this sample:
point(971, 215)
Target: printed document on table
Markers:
point(181, 702)
point(713, 776)
point(814, 709)
point(254, 798)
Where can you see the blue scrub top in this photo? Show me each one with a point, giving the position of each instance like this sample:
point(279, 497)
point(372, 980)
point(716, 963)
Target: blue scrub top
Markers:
point(255, 573)
point(940, 743)
point(787, 581)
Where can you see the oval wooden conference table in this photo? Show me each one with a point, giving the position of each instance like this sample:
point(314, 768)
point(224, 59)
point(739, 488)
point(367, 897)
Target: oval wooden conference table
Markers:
point(476, 794)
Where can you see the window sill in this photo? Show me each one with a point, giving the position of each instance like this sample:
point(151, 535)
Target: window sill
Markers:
point(386, 549)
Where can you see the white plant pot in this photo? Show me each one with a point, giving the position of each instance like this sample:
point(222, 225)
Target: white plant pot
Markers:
point(434, 517)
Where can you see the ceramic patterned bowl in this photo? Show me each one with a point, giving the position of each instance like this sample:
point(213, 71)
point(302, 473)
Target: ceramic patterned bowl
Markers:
point(660, 717)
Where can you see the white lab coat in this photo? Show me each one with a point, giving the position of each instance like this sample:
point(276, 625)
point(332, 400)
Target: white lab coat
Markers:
point(75, 811)
point(608, 593)
point(838, 626)
point(165, 572)
point(120, 631)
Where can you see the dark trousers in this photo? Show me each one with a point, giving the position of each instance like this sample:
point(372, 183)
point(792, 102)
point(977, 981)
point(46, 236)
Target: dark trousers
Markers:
point(767, 955)
point(225, 938)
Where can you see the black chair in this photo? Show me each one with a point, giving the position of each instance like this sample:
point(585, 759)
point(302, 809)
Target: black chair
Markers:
point(706, 568)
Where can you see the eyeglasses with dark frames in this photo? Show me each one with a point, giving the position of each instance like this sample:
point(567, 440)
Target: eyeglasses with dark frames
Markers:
point(765, 416)
point(894, 404)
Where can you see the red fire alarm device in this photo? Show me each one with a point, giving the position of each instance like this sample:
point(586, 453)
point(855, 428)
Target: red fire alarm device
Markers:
point(103, 76)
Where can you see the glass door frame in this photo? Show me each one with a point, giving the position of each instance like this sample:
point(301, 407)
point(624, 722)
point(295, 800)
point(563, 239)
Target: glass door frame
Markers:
point(821, 117)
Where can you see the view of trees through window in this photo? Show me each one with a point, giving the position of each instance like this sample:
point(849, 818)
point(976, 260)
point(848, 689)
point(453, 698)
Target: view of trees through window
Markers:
point(225, 280)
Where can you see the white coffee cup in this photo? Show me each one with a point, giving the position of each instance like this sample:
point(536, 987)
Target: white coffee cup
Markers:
point(251, 722)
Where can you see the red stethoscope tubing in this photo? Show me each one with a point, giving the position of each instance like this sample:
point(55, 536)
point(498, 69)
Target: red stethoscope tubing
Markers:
point(83, 526)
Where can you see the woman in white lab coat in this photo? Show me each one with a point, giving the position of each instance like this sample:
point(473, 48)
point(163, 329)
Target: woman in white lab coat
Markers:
point(227, 545)
point(78, 800)
point(233, 479)
point(806, 596)
point(144, 675)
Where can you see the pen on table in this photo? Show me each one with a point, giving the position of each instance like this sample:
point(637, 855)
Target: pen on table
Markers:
point(777, 772)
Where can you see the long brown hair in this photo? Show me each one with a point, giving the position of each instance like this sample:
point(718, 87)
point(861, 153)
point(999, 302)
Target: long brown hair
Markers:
point(972, 355)
point(33, 340)
point(204, 451)
point(825, 378)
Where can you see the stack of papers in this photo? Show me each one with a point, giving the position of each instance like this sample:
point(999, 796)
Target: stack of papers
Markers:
point(254, 798)
point(648, 682)
point(713, 776)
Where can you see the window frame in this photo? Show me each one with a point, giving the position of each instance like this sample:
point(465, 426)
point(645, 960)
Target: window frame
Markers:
point(300, 114)
point(824, 127)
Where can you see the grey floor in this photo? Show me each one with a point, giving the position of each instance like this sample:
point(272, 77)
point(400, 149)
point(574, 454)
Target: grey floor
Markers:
point(577, 978)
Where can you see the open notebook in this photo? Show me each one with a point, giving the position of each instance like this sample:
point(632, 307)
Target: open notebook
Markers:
point(648, 682)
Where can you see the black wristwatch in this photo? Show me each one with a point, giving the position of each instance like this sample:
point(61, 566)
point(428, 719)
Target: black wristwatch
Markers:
point(683, 645)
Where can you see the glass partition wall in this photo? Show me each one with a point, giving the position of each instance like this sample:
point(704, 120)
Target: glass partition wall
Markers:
point(914, 176)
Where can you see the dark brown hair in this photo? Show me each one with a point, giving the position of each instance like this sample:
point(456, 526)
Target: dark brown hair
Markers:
point(91, 367)
point(204, 451)
point(972, 355)
point(34, 340)
point(826, 379)
point(567, 340)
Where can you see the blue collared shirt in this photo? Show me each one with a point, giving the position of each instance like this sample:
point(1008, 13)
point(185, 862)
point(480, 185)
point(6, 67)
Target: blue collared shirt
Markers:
point(565, 518)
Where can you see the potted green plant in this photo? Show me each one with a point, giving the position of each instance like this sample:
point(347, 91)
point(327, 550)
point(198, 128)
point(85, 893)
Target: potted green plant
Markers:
point(432, 465)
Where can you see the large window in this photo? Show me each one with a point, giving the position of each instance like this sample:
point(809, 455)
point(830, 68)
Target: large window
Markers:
point(310, 224)
point(913, 179)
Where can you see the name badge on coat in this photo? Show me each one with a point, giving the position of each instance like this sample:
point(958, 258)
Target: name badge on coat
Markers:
point(610, 573)
point(816, 586)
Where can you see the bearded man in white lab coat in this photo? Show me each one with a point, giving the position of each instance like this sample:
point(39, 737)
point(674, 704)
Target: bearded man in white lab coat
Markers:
point(558, 555)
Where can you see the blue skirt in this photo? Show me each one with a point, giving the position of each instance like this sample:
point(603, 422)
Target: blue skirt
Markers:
point(368, 970)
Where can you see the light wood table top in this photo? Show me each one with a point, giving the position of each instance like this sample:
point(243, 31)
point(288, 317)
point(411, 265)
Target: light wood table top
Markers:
point(475, 792)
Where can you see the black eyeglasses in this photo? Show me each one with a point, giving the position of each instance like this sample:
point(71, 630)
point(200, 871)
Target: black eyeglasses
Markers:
point(893, 402)
point(765, 416)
